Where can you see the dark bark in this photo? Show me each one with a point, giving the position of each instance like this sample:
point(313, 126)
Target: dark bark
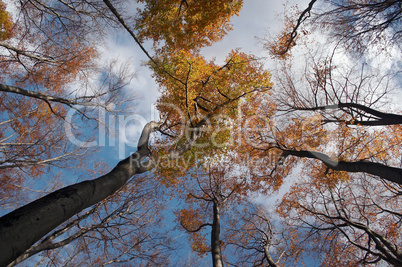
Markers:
point(215, 240)
point(21, 228)
point(292, 36)
point(28, 54)
point(372, 117)
point(82, 101)
point(388, 173)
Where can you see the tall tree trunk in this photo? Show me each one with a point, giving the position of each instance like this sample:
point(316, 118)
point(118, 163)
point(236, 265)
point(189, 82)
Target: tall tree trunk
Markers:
point(21, 228)
point(215, 240)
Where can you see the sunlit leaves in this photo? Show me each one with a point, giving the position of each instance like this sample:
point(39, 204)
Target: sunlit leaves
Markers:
point(185, 24)
point(6, 23)
point(197, 95)
point(200, 87)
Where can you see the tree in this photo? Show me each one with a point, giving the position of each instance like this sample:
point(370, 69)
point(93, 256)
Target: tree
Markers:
point(6, 23)
point(355, 221)
point(254, 238)
point(209, 201)
point(77, 197)
point(358, 25)
point(209, 113)
point(123, 226)
point(185, 25)
point(45, 52)
point(212, 193)
point(334, 117)
point(363, 24)
point(328, 94)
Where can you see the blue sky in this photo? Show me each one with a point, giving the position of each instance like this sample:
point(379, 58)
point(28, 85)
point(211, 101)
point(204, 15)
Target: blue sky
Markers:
point(257, 19)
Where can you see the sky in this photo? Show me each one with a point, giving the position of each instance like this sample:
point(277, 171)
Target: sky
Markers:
point(257, 19)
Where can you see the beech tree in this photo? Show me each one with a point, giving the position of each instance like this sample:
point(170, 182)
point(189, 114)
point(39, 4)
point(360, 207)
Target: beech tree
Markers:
point(211, 194)
point(254, 238)
point(205, 210)
point(16, 227)
point(331, 120)
point(348, 98)
point(40, 62)
point(333, 131)
point(125, 227)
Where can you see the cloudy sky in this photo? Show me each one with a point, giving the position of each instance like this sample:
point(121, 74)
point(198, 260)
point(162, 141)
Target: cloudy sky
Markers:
point(257, 19)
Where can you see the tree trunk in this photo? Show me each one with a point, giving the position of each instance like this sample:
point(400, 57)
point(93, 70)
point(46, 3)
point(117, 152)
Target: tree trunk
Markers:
point(388, 173)
point(21, 228)
point(378, 118)
point(215, 241)
point(271, 262)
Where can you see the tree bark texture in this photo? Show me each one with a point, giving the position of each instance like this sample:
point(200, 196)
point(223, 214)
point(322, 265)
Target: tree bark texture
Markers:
point(215, 240)
point(377, 118)
point(385, 172)
point(21, 228)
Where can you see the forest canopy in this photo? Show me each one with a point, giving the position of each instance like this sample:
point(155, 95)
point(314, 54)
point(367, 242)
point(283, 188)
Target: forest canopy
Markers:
point(290, 155)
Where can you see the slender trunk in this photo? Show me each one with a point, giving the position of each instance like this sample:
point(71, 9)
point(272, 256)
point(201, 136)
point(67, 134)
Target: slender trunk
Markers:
point(215, 241)
point(21, 228)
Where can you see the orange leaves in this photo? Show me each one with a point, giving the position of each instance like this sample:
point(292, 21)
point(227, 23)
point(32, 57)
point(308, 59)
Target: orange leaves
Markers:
point(281, 44)
point(6, 23)
point(185, 24)
point(45, 50)
point(305, 131)
point(344, 220)
point(199, 244)
point(55, 76)
point(191, 220)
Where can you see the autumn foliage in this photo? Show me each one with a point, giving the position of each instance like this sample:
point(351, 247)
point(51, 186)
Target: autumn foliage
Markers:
point(6, 24)
point(322, 136)
point(185, 25)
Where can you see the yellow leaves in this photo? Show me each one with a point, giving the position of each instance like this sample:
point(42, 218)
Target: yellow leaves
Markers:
point(200, 87)
point(194, 90)
point(305, 132)
point(6, 23)
point(185, 25)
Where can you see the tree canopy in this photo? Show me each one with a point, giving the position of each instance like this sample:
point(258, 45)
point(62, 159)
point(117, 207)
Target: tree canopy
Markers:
point(319, 130)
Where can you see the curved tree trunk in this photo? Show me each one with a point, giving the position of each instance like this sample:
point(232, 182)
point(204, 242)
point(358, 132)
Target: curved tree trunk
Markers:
point(271, 262)
point(21, 228)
